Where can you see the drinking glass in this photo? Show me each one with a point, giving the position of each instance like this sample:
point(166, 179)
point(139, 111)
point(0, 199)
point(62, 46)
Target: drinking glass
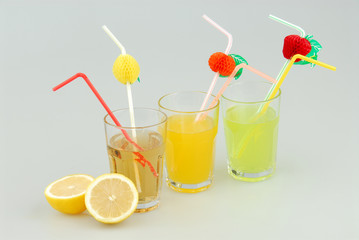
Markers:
point(251, 130)
point(190, 143)
point(143, 167)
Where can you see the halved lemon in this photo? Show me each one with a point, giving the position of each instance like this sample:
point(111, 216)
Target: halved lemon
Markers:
point(67, 194)
point(111, 198)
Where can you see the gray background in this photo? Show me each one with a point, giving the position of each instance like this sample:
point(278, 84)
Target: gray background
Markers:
point(44, 135)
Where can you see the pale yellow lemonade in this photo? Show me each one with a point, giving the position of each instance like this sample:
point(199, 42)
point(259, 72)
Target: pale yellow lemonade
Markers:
point(190, 149)
point(251, 142)
point(122, 160)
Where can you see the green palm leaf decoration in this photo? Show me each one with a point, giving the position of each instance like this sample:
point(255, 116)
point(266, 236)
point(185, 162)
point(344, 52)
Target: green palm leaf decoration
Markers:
point(238, 60)
point(316, 47)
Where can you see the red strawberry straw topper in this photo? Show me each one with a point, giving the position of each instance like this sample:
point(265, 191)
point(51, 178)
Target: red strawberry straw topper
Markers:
point(222, 63)
point(225, 64)
point(294, 44)
point(295, 47)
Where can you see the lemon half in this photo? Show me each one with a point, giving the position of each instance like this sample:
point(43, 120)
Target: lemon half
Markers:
point(67, 194)
point(111, 198)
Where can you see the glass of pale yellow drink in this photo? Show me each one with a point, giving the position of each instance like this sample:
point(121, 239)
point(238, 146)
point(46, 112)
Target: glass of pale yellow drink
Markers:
point(190, 142)
point(143, 166)
point(251, 130)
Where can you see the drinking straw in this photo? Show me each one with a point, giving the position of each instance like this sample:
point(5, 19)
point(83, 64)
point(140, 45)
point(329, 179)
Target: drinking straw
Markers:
point(221, 29)
point(302, 34)
point(285, 72)
point(114, 39)
point(245, 140)
point(130, 102)
point(114, 119)
point(82, 75)
point(128, 84)
point(299, 29)
point(230, 78)
point(229, 45)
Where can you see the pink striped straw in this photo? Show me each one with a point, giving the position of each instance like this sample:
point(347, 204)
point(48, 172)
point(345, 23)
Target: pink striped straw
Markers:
point(229, 46)
point(230, 78)
point(221, 29)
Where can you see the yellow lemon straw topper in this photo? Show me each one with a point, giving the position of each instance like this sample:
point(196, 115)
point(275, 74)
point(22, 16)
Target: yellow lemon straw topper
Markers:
point(126, 69)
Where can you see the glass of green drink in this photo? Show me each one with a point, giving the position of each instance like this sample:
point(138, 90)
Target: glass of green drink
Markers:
point(251, 130)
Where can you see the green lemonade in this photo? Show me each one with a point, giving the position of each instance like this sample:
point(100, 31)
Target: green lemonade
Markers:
point(251, 142)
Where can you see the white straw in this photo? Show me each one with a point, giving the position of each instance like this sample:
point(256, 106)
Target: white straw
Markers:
point(109, 33)
point(130, 103)
point(128, 85)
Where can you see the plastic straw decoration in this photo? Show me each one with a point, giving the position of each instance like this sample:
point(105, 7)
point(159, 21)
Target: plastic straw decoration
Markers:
point(285, 72)
point(299, 29)
point(114, 39)
point(128, 84)
point(302, 34)
point(229, 46)
point(264, 107)
point(130, 105)
point(114, 119)
point(230, 78)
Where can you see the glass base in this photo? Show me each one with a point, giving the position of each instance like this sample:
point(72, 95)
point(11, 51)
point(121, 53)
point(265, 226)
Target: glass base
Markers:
point(189, 188)
point(146, 207)
point(250, 177)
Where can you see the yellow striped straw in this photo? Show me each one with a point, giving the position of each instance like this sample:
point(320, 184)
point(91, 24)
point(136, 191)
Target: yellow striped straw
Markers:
point(285, 72)
point(264, 107)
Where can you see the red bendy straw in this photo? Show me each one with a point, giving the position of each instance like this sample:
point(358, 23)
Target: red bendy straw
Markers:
point(140, 158)
point(82, 75)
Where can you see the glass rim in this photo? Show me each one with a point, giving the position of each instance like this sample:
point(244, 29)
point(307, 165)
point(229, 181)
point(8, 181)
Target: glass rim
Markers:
point(279, 93)
point(176, 111)
point(135, 108)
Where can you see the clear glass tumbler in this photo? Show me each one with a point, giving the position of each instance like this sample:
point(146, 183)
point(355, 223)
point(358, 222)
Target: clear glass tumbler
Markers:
point(251, 130)
point(190, 144)
point(143, 167)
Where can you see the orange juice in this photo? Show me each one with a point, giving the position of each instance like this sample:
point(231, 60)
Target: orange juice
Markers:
point(190, 152)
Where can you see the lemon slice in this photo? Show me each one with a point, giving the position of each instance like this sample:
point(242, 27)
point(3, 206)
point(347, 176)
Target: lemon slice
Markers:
point(67, 194)
point(111, 198)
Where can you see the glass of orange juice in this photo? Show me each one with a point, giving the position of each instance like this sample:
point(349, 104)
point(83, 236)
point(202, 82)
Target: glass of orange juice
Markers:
point(190, 142)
